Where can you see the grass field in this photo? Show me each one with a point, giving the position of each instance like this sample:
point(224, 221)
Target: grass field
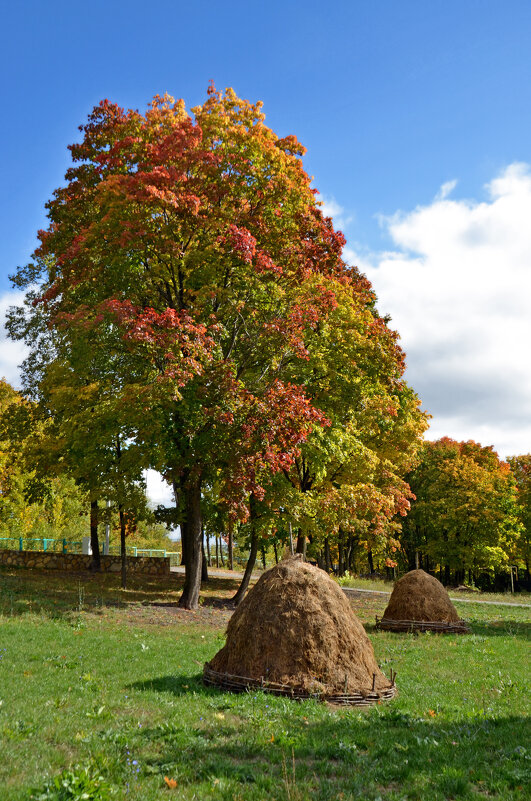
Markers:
point(387, 586)
point(101, 695)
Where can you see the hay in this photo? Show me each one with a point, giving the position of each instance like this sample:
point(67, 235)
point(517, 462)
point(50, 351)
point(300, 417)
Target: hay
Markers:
point(421, 603)
point(295, 634)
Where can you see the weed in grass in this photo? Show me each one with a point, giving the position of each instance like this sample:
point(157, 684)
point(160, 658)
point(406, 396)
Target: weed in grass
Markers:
point(453, 783)
point(80, 783)
point(80, 597)
point(289, 779)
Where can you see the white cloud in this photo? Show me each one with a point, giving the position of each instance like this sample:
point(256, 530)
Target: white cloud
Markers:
point(157, 490)
point(458, 288)
point(446, 189)
point(331, 208)
point(11, 353)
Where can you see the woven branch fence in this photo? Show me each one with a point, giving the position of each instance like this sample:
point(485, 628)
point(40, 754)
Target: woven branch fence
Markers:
point(386, 624)
point(242, 684)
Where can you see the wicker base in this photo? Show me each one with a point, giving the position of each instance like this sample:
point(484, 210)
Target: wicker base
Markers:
point(240, 684)
point(386, 624)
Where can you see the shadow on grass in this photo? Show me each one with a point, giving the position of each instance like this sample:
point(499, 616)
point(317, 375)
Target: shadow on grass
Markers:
point(175, 685)
point(55, 594)
point(494, 628)
point(363, 756)
point(498, 628)
point(58, 595)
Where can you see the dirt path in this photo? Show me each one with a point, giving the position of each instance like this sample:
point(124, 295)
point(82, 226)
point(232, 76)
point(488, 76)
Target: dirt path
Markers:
point(353, 592)
point(357, 593)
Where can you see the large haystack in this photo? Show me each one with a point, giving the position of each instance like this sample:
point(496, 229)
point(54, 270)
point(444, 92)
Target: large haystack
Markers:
point(295, 634)
point(420, 602)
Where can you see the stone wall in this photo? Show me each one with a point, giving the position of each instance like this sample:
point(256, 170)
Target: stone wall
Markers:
point(40, 560)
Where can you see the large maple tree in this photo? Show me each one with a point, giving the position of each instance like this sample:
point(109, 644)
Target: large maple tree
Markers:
point(196, 248)
point(190, 248)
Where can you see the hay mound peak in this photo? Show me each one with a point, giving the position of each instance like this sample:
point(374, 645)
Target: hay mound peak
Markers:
point(419, 598)
point(296, 628)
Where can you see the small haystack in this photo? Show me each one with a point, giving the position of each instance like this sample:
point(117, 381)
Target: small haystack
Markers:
point(295, 634)
point(420, 603)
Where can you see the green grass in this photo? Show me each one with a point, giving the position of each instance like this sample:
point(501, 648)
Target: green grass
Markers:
point(522, 597)
point(101, 694)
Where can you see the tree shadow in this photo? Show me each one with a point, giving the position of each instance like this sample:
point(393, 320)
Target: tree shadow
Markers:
point(56, 593)
point(502, 628)
point(175, 685)
point(490, 628)
point(358, 755)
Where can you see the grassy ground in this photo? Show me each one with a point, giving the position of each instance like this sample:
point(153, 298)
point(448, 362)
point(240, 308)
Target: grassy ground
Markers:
point(387, 586)
point(101, 693)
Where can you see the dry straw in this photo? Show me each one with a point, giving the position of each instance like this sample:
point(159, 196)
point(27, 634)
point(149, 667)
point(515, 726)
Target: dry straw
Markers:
point(420, 603)
point(295, 634)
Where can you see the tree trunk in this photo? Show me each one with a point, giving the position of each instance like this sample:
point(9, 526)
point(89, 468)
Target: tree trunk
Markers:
point(371, 563)
point(275, 552)
point(217, 550)
point(348, 551)
point(264, 565)
point(242, 589)
point(123, 558)
point(95, 564)
point(328, 564)
point(301, 543)
point(204, 565)
point(341, 555)
point(184, 545)
point(192, 544)
point(230, 556)
point(209, 558)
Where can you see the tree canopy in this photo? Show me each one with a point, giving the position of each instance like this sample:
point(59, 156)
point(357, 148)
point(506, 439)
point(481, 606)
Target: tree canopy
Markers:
point(465, 516)
point(194, 299)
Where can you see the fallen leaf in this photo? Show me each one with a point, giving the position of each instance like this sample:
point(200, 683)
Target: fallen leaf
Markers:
point(172, 784)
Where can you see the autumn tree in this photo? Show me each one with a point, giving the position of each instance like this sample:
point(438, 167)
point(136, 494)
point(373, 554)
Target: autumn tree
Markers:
point(191, 250)
point(198, 242)
point(33, 503)
point(465, 515)
point(521, 470)
point(349, 478)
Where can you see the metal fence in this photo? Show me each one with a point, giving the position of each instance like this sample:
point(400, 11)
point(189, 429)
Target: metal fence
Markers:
point(47, 544)
point(39, 544)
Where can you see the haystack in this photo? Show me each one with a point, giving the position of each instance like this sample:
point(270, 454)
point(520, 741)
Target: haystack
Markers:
point(295, 634)
point(420, 603)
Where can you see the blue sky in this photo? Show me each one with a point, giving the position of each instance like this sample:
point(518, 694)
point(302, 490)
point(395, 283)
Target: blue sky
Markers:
point(392, 98)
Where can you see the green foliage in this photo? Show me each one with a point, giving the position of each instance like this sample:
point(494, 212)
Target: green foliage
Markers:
point(465, 516)
point(521, 470)
point(33, 502)
point(148, 535)
point(194, 306)
point(80, 783)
